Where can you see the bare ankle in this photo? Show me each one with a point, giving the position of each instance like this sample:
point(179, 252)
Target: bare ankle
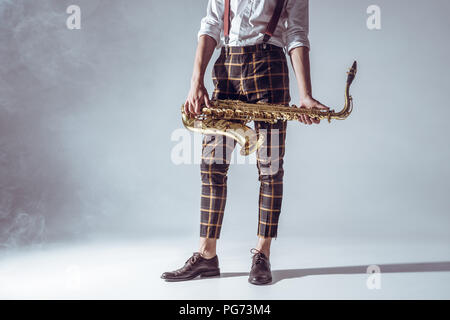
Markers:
point(207, 248)
point(264, 245)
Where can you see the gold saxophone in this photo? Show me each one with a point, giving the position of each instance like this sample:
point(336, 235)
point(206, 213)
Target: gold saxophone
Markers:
point(229, 117)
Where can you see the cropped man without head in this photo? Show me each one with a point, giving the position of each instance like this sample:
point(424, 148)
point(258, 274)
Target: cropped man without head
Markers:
point(254, 37)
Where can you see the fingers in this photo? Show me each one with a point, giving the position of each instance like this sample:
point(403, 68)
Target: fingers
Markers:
point(322, 107)
point(199, 105)
point(207, 102)
point(308, 120)
point(186, 107)
point(196, 106)
point(191, 107)
point(303, 118)
point(197, 98)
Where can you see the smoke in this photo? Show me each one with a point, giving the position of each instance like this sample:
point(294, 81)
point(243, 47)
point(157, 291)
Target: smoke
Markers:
point(38, 62)
point(75, 119)
point(22, 230)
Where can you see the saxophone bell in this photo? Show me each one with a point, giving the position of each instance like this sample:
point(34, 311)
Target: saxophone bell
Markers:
point(245, 136)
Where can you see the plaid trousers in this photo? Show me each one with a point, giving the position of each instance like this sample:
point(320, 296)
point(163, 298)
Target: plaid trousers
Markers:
point(250, 74)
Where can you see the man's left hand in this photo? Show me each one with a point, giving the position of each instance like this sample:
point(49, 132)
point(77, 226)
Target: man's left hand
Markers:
point(310, 103)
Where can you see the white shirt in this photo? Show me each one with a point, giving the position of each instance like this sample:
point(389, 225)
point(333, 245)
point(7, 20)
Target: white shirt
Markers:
point(249, 20)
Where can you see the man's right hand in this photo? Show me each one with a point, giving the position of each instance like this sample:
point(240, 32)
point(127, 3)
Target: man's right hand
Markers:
point(197, 98)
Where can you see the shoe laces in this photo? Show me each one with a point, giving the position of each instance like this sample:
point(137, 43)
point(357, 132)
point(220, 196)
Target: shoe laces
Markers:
point(193, 258)
point(257, 255)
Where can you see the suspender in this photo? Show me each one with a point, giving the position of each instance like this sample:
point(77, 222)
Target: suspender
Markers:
point(270, 27)
point(273, 21)
point(226, 21)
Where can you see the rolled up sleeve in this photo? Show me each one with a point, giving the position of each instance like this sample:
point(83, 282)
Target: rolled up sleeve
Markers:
point(212, 23)
point(297, 27)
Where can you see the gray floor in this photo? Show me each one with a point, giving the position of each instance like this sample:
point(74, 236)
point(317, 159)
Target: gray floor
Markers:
point(302, 269)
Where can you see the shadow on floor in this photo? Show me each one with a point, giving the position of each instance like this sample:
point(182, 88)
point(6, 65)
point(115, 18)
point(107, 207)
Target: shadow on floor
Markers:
point(278, 275)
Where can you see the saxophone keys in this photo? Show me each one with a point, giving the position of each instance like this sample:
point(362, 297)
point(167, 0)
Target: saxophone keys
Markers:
point(228, 114)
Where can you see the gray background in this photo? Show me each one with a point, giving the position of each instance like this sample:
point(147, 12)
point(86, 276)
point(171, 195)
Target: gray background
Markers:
point(86, 118)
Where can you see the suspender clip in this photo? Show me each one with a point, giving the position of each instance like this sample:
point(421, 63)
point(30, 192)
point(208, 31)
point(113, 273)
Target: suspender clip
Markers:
point(227, 39)
point(265, 39)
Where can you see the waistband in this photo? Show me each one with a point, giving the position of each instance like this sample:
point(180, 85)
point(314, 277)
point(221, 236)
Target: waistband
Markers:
point(250, 49)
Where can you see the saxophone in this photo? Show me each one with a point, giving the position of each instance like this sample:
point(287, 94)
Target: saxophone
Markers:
point(229, 117)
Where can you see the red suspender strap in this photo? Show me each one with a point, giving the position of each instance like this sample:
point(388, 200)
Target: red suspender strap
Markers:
point(226, 21)
point(273, 21)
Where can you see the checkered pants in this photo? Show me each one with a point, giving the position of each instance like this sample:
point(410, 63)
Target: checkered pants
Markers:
point(249, 74)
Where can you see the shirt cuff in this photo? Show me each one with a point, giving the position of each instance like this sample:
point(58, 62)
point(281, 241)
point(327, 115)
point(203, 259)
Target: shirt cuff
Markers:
point(297, 43)
point(210, 30)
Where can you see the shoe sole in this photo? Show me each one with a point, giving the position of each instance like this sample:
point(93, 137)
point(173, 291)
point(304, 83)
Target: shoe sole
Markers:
point(206, 274)
point(259, 282)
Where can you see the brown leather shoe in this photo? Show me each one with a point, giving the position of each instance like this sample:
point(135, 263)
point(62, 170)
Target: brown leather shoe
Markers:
point(260, 272)
point(195, 266)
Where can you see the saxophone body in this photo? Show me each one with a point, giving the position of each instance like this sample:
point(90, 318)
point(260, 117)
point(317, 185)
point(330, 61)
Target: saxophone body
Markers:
point(230, 117)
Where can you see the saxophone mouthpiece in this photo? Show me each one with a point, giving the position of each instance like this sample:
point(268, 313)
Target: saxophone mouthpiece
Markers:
point(352, 72)
point(354, 67)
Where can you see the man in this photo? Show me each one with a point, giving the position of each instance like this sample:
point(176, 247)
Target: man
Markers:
point(253, 36)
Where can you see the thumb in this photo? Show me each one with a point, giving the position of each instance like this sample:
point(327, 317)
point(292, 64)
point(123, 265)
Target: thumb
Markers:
point(321, 106)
